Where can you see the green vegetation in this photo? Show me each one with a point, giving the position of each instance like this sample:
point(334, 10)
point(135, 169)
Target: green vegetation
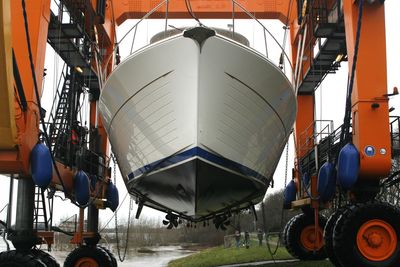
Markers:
point(220, 256)
point(217, 256)
point(301, 264)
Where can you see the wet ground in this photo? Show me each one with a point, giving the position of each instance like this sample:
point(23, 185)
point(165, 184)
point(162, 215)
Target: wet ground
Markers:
point(149, 257)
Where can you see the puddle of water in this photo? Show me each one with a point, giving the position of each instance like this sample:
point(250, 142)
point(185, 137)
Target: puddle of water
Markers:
point(158, 258)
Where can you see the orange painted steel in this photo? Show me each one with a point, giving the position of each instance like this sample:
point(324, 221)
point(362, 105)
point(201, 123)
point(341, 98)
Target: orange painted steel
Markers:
point(309, 240)
point(78, 236)
point(7, 113)
point(211, 9)
point(27, 123)
point(303, 135)
point(86, 262)
point(304, 118)
point(370, 125)
point(377, 240)
point(370, 83)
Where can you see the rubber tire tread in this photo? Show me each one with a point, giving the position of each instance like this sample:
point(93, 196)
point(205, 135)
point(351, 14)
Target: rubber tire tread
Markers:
point(96, 253)
point(348, 224)
point(285, 231)
point(293, 244)
point(111, 255)
point(46, 258)
point(14, 258)
point(328, 236)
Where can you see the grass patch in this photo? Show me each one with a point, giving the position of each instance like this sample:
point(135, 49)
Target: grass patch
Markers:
point(301, 264)
point(221, 256)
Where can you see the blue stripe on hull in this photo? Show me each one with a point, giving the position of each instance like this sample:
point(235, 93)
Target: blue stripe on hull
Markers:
point(196, 152)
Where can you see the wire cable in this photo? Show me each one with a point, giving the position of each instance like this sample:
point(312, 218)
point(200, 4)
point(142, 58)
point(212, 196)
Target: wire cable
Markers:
point(286, 28)
point(32, 67)
point(112, 217)
point(123, 256)
point(344, 135)
point(42, 120)
point(191, 13)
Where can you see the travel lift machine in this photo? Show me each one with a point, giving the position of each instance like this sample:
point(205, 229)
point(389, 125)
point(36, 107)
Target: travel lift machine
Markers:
point(342, 172)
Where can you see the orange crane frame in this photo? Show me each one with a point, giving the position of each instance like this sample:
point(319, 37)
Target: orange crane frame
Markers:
point(19, 129)
point(369, 87)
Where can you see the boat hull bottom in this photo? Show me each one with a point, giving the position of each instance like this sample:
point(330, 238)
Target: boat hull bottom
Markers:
point(197, 189)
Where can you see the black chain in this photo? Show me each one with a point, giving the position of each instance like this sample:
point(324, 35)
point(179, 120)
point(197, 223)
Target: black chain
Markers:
point(271, 251)
point(121, 257)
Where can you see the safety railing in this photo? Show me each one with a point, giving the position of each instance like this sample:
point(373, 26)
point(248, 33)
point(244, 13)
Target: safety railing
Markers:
point(395, 135)
point(315, 133)
point(263, 42)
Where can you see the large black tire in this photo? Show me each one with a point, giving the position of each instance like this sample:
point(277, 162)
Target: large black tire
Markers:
point(294, 243)
point(285, 231)
point(95, 254)
point(46, 258)
point(111, 255)
point(348, 227)
point(328, 236)
point(15, 258)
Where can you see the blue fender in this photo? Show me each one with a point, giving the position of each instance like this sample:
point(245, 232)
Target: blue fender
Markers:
point(41, 165)
point(81, 188)
point(112, 196)
point(348, 166)
point(326, 181)
point(289, 194)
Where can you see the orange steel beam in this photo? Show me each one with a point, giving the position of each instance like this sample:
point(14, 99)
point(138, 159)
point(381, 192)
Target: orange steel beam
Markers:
point(370, 105)
point(211, 9)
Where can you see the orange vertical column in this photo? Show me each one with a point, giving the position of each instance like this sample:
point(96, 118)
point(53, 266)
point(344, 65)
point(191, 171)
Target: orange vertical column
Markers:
point(27, 122)
point(303, 131)
point(370, 115)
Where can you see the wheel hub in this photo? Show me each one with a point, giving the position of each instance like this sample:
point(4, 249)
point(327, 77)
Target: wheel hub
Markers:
point(86, 262)
point(311, 237)
point(376, 240)
point(308, 238)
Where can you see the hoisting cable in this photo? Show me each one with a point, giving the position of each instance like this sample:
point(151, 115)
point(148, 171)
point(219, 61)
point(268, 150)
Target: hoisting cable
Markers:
point(117, 44)
point(123, 256)
point(344, 135)
point(286, 28)
point(268, 31)
point(32, 67)
point(133, 40)
point(166, 18)
point(271, 251)
point(191, 13)
point(112, 217)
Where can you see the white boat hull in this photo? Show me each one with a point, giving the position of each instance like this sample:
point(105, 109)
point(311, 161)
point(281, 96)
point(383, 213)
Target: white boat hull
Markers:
point(197, 127)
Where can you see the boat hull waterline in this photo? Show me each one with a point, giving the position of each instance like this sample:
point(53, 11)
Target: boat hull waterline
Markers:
point(197, 123)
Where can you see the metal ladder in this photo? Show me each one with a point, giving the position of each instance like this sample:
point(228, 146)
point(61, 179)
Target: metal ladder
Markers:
point(41, 221)
point(59, 120)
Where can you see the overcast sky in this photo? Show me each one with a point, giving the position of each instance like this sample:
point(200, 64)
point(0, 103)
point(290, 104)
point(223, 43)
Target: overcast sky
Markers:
point(329, 98)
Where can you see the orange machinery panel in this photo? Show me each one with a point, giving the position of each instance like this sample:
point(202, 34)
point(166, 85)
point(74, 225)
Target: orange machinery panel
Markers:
point(369, 101)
